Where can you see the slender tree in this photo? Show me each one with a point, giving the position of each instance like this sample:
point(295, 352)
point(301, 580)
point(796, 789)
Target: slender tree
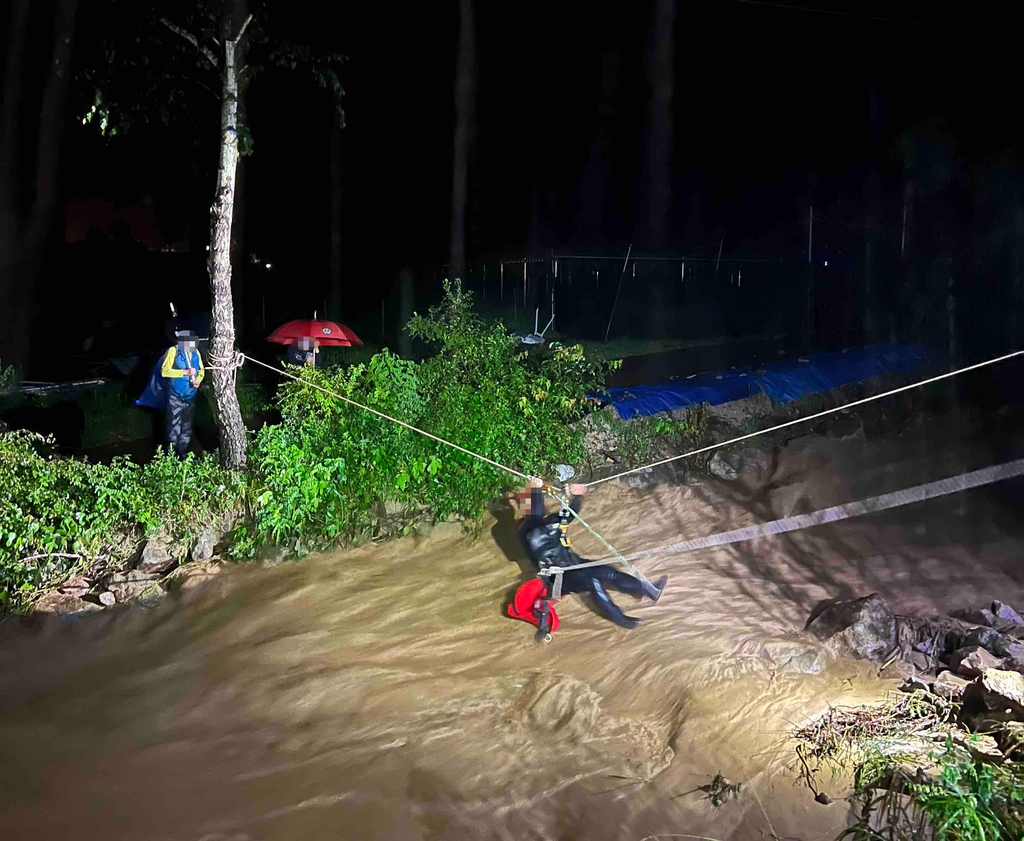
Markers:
point(150, 60)
point(35, 86)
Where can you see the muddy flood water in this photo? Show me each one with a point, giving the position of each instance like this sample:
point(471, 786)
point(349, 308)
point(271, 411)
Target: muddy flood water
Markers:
point(381, 694)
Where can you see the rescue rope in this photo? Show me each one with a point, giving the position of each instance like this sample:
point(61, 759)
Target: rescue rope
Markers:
point(907, 496)
point(815, 416)
point(235, 362)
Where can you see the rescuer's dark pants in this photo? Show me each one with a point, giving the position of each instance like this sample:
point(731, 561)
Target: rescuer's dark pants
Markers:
point(596, 580)
point(179, 423)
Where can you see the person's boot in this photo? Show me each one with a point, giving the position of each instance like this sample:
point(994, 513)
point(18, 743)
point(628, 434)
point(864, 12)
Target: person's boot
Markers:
point(628, 622)
point(654, 591)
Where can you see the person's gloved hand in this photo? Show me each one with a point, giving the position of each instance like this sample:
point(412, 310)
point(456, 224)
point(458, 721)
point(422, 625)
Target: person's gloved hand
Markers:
point(536, 483)
point(577, 490)
point(190, 372)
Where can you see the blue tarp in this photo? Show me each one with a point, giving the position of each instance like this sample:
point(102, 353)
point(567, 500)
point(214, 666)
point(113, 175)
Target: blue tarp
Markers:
point(783, 382)
point(154, 396)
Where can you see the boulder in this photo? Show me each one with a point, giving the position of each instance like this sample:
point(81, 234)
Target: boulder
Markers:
point(935, 636)
point(863, 628)
point(950, 686)
point(157, 555)
point(997, 691)
point(77, 586)
point(107, 599)
point(719, 467)
point(63, 604)
point(797, 656)
point(1006, 614)
point(130, 585)
point(204, 545)
point(987, 638)
point(975, 616)
point(212, 536)
point(972, 661)
point(920, 661)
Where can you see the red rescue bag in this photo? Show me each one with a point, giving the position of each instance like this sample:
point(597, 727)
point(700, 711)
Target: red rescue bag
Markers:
point(526, 604)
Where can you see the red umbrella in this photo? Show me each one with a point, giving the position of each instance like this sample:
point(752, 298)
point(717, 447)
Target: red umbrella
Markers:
point(328, 333)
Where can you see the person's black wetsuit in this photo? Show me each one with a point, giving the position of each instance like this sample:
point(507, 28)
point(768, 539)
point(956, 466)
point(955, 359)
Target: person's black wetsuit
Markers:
point(542, 538)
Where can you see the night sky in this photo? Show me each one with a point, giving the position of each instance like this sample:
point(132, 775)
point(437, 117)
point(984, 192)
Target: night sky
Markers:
point(776, 108)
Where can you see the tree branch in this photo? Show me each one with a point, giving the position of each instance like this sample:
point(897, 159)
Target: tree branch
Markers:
point(245, 26)
point(188, 36)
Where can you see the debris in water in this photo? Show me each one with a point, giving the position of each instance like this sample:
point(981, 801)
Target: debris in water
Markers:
point(718, 791)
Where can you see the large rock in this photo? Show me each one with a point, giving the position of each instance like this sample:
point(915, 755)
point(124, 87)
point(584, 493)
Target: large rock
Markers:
point(77, 586)
point(721, 468)
point(999, 644)
point(130, 585)
point(192, 575)
point(157, 555)
point(950, 686)
point(935, 636)
point(972, 661)
point(64, 604)
point(1006, 614)
point(864, 628)
point(797, 656)
point(212, 536)
point(975, 616)
point(997, 692)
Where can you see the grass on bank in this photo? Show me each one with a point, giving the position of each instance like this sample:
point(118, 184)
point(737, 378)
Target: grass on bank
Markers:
point(917, 772)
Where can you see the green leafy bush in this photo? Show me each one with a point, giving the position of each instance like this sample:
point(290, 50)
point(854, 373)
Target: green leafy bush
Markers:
point(326, 469)
point(57, 514)
point(965, 799)
point(319, 473)
point(483, 392)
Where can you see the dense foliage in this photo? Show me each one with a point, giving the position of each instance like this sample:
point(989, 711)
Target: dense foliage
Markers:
point(325, 473)
point(325, 469)
point(57, 514)
point(965, 799)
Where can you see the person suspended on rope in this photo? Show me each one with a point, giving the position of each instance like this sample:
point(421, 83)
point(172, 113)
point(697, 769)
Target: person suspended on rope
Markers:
point(546, 539)
point(182, 370)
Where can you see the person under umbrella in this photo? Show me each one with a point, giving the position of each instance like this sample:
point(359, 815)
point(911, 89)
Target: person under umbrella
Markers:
point(182, 370)
point(303, 351)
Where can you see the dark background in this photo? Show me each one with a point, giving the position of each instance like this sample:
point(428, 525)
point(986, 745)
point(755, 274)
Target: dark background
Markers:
point(860, 111)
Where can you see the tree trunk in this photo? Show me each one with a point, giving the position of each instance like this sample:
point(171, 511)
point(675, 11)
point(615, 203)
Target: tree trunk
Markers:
point(463, 123)
point(659, 137)
point(26, 225)
point(222, 340)
point(334, 297)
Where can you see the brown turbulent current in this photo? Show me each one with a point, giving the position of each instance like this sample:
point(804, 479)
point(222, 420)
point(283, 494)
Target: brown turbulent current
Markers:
point(380, 693)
